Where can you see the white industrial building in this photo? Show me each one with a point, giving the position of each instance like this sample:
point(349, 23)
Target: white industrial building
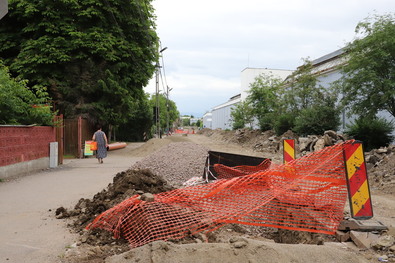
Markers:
point(207, 120)
point(326, 68)
point(220, 115)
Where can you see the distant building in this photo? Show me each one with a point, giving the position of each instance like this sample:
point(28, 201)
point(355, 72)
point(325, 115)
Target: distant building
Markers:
point(325, 68)
point(220, 115)
point(193, 120)
point(207, 120)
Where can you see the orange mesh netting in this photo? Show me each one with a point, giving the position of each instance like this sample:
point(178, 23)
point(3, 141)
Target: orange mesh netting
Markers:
point(307, 194)
point(226, 172)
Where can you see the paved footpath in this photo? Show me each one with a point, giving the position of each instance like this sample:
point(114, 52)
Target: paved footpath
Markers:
point(29, 231)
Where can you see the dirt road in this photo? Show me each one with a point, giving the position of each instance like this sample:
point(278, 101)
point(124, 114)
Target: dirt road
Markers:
point(29, 231)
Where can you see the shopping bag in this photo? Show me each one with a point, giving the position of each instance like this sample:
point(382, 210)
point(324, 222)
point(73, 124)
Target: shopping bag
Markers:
point(93, 146)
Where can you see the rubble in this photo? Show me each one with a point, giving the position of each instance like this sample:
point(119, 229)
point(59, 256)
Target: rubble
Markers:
point(384, 242)
point(381, 169)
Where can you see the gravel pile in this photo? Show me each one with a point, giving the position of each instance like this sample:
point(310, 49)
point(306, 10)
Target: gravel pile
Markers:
point(176, 162)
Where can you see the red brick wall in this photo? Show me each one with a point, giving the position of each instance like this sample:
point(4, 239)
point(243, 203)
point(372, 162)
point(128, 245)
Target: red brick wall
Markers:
point(21, 144)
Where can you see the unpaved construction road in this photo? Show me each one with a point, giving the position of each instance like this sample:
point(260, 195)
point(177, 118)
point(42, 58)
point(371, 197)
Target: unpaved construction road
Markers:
point(29, 231)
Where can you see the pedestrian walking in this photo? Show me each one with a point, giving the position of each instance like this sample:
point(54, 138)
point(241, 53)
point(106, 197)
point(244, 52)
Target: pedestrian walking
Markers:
point(100, 137)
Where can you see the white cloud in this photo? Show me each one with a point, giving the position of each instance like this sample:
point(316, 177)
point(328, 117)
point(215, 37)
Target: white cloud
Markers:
point(211, 41)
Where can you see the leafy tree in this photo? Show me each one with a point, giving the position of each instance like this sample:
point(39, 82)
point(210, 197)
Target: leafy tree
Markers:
point(242, 115)
point(20, 105)
point(167, 109)
point(368, 82)
point(264, 98)
point(302, 90)
point(186, 122)
point(199, 124)
point(313, 107)
point(139, 123)
point(94, 56)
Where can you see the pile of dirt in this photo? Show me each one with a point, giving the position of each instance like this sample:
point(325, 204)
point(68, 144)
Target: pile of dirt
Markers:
point(255, 139)
point(176, 162)
point(98, 243)
point(125, 184)
point(268, 141)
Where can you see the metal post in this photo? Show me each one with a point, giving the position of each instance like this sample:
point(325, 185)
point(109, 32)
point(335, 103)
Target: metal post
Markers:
point(167, 105)
point(157, 119)
point(157, 111)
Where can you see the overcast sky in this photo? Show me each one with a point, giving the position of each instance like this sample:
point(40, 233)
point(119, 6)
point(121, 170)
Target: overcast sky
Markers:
point(209, 42)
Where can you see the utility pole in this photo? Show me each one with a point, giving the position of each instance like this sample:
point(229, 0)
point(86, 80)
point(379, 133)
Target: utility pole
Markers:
point(157, 119)
point(157, 111)
point(167, 105)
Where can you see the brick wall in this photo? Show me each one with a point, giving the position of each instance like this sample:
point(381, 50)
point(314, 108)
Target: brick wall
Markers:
point(21, 144)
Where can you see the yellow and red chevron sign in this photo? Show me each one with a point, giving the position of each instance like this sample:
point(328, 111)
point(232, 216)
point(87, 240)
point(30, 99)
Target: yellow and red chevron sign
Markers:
point(289, 150)
point(357, 182)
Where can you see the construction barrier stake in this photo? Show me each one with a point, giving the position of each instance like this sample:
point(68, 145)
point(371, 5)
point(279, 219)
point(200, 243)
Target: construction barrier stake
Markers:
point(289, 150)
point(357, 182)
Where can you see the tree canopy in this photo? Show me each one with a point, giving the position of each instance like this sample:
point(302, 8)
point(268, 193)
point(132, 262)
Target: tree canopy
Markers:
point(299, 103)
point(368, 82)
point(264, 98)
point(302, 89)
point(242, 115)
point(94, 56)
point(168, 113)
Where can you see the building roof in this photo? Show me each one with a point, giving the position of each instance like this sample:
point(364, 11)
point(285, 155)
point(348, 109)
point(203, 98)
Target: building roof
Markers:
point(329, 62)
point(233, 100)
point(327, 57)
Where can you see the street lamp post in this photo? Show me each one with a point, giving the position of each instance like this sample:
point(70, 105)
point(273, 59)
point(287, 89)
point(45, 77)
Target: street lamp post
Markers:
point(167, 105)
point(157, 111)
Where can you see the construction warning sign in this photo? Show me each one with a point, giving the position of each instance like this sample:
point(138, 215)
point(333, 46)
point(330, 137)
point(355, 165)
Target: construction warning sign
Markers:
point(357, 182)
point(289, 150)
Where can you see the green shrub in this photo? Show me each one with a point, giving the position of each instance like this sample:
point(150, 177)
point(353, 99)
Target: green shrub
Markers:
point(317, 119)
point(374, 133)
point(238, 124)
point(21, 105)
point(266, 122)
point(284, 123)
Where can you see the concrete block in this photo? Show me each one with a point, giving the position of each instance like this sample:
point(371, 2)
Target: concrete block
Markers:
point(363, 239)
point(342, 236)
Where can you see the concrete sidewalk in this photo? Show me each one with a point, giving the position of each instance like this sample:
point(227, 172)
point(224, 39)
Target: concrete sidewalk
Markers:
point(29, 231)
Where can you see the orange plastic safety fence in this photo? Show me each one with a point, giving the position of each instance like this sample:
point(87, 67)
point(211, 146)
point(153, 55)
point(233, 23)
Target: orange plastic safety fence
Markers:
point(307, 194)
point(226, 172)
